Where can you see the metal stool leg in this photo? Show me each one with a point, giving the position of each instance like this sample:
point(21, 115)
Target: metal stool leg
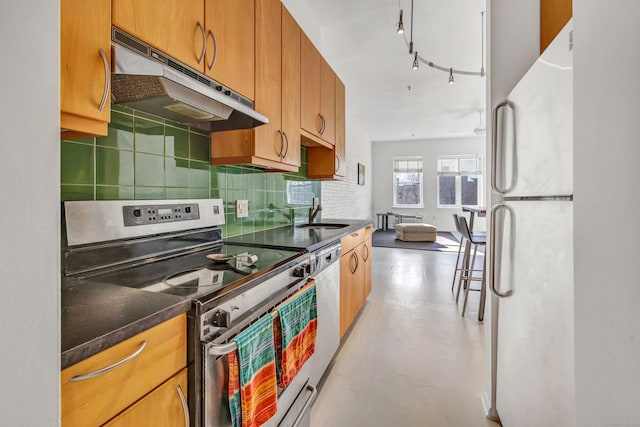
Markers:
point(465, 261)
point(455, 272)
point(466, 291)
point(483, 290)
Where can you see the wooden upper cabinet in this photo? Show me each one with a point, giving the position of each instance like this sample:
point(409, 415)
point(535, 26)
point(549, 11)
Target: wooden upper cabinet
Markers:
point(554, 15)
point(230, 48)
point(291, 64)
point(269, 138)
point(176, 27)
point(311, 120)
point(85, 66)
point(327, 102)
point(330, 163)
point(340, 143)
point(275, 145)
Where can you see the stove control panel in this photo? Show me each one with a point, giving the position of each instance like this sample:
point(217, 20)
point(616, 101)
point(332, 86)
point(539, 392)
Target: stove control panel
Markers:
point(156, 214)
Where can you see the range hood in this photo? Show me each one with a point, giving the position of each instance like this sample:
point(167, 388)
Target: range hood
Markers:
point(148, 80)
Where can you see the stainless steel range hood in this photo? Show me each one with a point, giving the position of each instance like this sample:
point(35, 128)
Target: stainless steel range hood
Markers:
point(148, 80)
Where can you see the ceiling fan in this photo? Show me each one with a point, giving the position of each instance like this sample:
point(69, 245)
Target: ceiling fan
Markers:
point(479, 130)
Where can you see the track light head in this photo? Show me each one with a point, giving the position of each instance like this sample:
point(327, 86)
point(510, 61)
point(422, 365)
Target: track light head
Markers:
point(451, 81)
point(415, 62)
point(400, 29)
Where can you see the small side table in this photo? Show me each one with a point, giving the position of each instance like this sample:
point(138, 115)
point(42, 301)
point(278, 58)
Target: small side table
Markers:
point(383, 220)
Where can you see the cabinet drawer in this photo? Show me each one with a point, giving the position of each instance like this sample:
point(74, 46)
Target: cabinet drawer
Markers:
point(166, 406)
point(352, 240)
point(153, 356)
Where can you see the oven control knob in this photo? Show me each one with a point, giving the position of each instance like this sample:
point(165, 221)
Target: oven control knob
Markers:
point(221, 319)
point(301, 270)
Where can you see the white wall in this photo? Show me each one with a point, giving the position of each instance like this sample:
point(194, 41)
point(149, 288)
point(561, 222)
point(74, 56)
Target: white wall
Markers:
point(30, 218)
point(607, 202)
point(347, 199)
point(429, 150)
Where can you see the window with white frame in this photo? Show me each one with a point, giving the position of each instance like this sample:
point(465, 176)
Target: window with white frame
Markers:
point(459, 180)
point(407, 182)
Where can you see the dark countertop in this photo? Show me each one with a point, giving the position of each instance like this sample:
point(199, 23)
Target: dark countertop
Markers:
point(96, 316)
point(294, 236)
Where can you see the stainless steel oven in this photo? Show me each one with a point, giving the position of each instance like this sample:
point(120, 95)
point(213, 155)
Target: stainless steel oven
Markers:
point(222, 322)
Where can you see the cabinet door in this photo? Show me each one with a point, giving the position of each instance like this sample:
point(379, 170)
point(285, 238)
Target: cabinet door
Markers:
point(230, 49)
point(269, 142)
point(291, 88)
point(366, 258)
point(341, 166)
point(176, 27)
point(164, 407)
point(153, 356)
point(310, 87)
point(85, 70)
point(358, 266)
point(346, 291)
point(327, 102)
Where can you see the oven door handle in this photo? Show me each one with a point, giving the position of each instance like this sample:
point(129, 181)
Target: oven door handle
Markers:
point(307, 405)
point(222, 349)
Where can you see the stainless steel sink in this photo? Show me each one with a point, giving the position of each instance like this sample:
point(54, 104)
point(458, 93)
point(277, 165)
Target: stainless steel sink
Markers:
point(323, 225)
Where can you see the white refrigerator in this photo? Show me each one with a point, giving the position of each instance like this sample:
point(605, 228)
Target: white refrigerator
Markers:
point(531, 245)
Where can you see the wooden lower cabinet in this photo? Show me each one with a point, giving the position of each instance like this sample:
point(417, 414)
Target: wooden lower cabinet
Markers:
point(366, 257)
point(166, 406)
point(355, 277)
point(90, 398)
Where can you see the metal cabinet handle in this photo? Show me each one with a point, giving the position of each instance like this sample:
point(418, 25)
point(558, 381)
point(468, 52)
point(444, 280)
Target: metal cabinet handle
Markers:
point(493, 279)
point(286, 150)
point(307, 405)
point(110, 368)
point(281, 143)
point(215, 50)
point(204, 42)
point(337, 163)
point(353, 264)
point(185, 407)
point(324, 125)
point(367, 257)
point(107, 80)
point(494, 148)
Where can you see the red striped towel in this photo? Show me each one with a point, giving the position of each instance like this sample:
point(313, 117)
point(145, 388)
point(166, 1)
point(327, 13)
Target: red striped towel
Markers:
point(295, 332)
point(254, 374)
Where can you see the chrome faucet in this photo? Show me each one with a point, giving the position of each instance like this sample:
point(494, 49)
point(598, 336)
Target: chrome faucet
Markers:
point(313, 212)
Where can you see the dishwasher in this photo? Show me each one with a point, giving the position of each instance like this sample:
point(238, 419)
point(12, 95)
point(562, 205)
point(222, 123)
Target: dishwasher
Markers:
point(325, 269)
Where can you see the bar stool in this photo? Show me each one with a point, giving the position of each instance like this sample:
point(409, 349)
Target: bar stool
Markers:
point(466, 274)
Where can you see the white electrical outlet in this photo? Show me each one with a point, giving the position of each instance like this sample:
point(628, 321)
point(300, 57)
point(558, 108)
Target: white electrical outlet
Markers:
point(242, 208)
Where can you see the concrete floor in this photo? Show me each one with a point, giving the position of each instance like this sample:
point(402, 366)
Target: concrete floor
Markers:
point(410, 359)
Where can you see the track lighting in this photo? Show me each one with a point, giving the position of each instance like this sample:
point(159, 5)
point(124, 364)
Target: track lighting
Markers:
point(431, 64)
point(400, 29)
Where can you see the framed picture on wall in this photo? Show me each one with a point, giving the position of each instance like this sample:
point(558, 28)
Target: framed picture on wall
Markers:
point(360, 174)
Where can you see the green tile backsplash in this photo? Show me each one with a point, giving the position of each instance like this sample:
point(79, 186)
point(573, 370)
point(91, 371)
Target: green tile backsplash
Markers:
point(145, 157)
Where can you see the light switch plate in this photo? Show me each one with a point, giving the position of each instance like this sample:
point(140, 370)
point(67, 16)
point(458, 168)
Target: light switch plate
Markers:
point(242, 208)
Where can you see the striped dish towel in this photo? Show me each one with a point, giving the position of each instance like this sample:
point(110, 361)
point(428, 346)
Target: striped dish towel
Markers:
point(252, 373)
point(295, 332)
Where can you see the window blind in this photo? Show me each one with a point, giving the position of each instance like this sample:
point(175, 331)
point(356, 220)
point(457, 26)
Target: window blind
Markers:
point(407, 165)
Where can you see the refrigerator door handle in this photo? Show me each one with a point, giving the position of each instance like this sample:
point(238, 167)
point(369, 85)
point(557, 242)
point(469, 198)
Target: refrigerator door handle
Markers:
point(493, 278)
point(494, 148)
